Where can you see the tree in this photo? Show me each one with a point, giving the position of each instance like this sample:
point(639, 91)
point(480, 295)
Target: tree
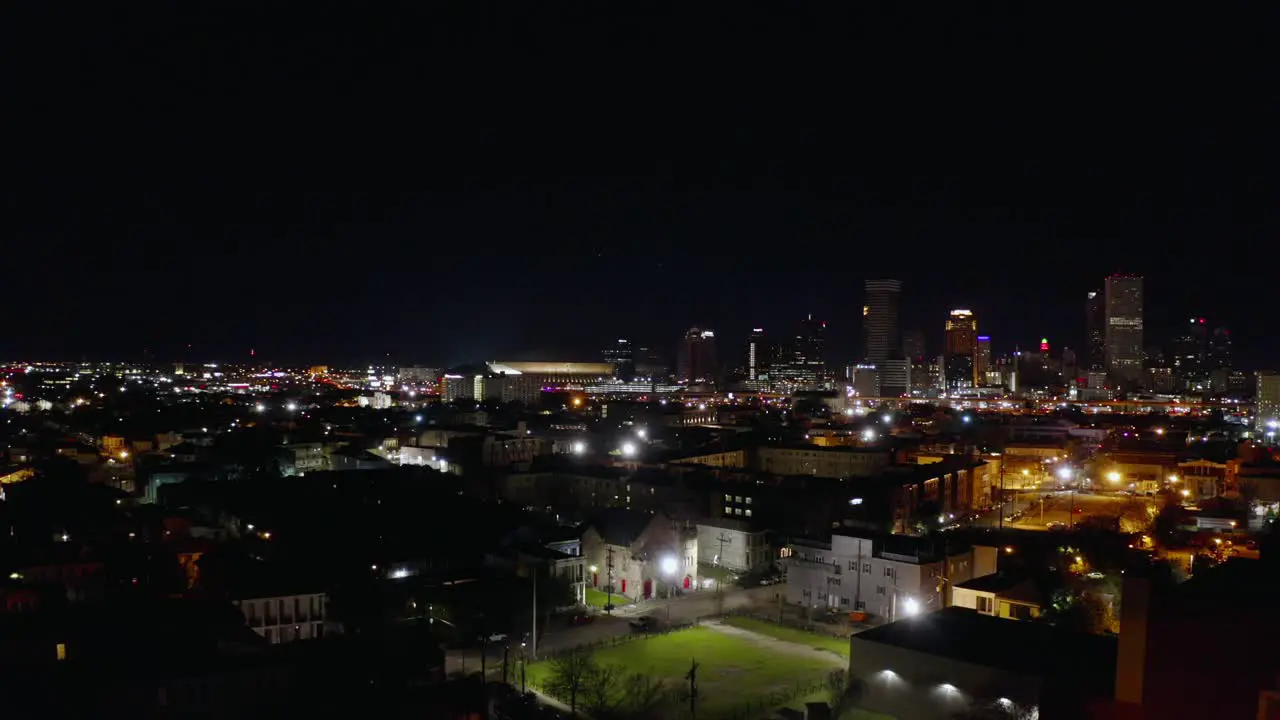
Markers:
point(842, 692)
point(600, 686)
point(645, 696)
point(569, 675)
point(1081, 612)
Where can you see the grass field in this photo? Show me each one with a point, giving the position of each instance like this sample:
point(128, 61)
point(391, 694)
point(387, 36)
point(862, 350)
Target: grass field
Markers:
point(732, 670)
point(840, 646)
point(595, 598)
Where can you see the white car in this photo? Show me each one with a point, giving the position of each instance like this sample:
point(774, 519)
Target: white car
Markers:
point(497, 637)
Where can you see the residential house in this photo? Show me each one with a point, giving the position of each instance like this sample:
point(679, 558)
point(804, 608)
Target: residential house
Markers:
point(1000, 595)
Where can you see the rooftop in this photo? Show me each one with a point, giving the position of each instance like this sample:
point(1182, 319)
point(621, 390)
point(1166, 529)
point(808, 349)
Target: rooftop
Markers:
point(1017, 647)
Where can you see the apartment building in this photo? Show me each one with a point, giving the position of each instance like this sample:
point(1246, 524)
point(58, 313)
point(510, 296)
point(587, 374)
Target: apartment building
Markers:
point(889, 576)
point(285, 618)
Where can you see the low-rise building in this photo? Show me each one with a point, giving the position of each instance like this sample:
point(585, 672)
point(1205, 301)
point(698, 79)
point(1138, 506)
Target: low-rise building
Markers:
point(888, 576)
point(641, 555)
point(286, 618)
point(733, 544)
point(1000, 595)
point(955, 662)
point(833, 462)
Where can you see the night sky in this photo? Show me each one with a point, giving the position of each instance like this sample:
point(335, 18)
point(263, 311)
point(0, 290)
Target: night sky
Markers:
point(449, 181)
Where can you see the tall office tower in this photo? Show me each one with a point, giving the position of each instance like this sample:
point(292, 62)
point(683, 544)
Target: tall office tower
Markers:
point(982, 359)
point(960, 347)
point(1124, 328)
point(810, 351)
point(1190, 351)
point(1268, 403)
point(1219, 355)
point(1095, 313)
point(696, 361)
point(880, 320)
point(759, 355)
point(914, 346)
point(623, 359)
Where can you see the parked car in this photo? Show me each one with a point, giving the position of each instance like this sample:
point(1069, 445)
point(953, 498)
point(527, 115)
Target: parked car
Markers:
point(644, 624)
point(1055, 526)
point(497, 637)
point(581, 619)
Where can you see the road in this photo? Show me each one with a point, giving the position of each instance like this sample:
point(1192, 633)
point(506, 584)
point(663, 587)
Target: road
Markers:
point(561, 636)
point(1056, 508)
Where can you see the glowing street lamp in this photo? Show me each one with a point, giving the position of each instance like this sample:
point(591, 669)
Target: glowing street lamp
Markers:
point(910, 607)
point(628, 449)
point(1113, 476)
point(669, 565)
point(1064, 473)
point(579, 448)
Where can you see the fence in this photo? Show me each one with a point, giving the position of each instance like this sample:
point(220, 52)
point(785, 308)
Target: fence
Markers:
point(676, 701)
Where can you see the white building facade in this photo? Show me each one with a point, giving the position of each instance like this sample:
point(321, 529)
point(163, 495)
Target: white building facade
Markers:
point(856, 574)
point(732, 545)
point(287, 618)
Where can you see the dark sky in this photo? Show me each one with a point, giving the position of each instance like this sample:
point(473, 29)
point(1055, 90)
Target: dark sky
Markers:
point(444, 181)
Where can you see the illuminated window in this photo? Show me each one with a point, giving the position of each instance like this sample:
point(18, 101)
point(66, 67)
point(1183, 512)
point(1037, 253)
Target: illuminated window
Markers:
point(728, 498)
point(748, 501)
point(748, 512)
point(737, 511)
point(728, 510)
point(62, 651)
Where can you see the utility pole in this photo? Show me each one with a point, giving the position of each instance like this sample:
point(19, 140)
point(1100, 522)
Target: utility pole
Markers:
point(506, 677)
point(719, 581)
point(535, 613)
point(1004, 459)
point(608, 580)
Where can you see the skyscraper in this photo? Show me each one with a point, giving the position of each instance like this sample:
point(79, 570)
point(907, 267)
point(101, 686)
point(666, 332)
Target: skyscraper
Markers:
point(1268, 404)
point(1095, 312)
point(960, 348)
point(759, 355)
point(880, 320)
point(696, 361)
point(810, 350)
point(1219, 355)
point(621, 356)
point(982, 359)
point(1190, 352)
point(1124, 328)
point(914, 346)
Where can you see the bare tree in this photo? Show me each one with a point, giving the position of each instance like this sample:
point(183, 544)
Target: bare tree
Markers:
point(645, 696)
point(569, 675)
point(600, 687)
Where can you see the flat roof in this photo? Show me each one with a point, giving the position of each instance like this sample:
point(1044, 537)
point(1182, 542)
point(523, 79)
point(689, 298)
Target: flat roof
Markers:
point(1023, 648)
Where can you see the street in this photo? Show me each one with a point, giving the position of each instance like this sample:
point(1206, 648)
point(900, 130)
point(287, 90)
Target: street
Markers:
point(1057, 508)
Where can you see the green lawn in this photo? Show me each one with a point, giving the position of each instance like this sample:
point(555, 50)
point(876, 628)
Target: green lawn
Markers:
point(732, 670)
point(595, 598)
point(840, 646)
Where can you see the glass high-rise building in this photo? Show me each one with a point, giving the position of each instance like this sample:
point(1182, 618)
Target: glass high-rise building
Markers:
point(883, 336)
point(1095, 312)
point(960, 349)
point(1124, 328)
point(696, 361)
point(759, 355)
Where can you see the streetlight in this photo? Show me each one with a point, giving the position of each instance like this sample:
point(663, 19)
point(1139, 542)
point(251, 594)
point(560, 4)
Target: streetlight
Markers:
point(642, 433)
point(1064, 473)
point(1113, 476)
point(910, 607)
point(628, 449)
point(579, 447)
